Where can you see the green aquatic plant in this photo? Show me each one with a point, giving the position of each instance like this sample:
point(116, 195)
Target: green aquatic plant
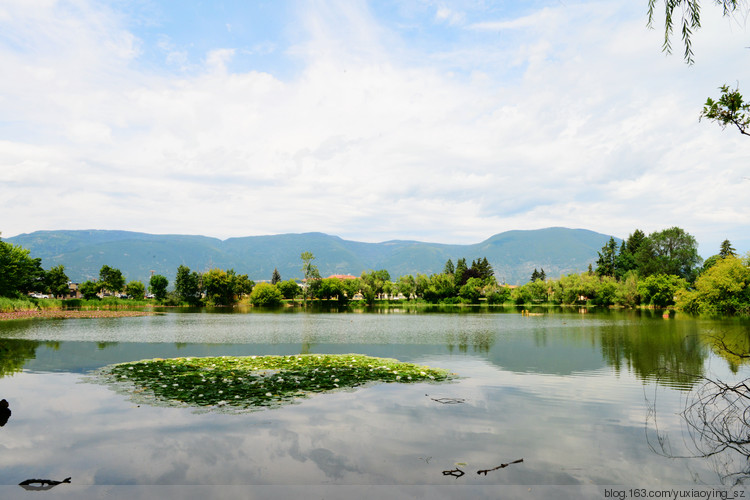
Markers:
point(254, 382)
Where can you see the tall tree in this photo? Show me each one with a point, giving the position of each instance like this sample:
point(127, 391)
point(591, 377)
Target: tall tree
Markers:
point(726, 250)
point(671, 251)
point(289, 289)
point(19, 273)
point(310, 271)
point(157, 285)
point(458, 277)
point(449, 267)
point(187, 285)
point(89, 289)
point(635, 241)
point(135, 289)
point(607, 261)
point(223, 288)
point(57, 281)
point(275, 277)
point(111, 279)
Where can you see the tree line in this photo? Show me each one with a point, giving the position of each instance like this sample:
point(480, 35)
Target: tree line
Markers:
point(662, 269)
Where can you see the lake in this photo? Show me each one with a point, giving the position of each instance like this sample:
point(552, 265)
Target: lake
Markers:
point(590, 402)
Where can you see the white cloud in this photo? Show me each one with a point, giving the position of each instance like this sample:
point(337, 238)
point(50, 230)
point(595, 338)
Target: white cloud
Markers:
point(450, 16)
point(572, 119)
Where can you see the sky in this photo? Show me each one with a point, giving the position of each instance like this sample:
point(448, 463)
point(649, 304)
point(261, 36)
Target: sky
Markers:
point(437, 121)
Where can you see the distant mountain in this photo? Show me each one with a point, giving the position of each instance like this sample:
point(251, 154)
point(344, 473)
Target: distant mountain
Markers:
point(512, 254)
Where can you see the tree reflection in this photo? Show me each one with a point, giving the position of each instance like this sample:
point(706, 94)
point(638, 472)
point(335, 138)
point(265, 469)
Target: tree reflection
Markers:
point(479, 341)
point(733, 346)
point(716, 417)
point(673, 356)
point(14, 353)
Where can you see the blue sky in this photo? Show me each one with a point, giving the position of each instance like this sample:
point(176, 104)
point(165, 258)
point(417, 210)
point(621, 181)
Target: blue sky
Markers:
point(429, 120)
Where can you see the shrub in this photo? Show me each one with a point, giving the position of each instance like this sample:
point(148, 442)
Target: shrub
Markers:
point(265, 295)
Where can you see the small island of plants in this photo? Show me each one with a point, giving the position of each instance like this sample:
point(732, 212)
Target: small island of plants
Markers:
point(254, 382)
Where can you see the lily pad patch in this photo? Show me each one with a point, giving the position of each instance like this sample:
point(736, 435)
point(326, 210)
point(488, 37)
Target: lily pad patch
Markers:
point(255, 382)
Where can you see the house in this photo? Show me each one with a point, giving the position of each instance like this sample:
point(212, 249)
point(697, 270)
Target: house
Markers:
point(342, 276)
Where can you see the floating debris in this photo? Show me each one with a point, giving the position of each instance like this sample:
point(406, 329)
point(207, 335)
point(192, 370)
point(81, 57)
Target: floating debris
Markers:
point(41, 484)
point(501, 466)
point(455, 472)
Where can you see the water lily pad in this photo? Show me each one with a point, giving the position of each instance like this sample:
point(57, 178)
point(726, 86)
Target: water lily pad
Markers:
point(255, 382)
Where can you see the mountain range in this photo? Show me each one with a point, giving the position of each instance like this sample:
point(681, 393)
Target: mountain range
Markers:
point(512, 254)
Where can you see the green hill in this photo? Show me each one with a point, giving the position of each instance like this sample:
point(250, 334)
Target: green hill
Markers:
point(513, 254)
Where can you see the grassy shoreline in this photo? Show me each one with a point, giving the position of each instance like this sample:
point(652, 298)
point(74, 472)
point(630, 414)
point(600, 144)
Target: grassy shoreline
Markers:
point(69, 314)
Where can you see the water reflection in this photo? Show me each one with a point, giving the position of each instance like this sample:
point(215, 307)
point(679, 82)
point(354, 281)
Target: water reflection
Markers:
point(732, 344)
point(563, 390)
point(715, 418)
point(555, 341)
point(673, 353)
point(14, 353)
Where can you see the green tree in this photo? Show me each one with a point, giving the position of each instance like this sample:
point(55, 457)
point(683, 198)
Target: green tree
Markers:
point(57, 281)
point(111, 279)
point(351, 287)
point(627, 293)
point(368, 293)
point(331, 288)
point(606, 264)
point(157, 285)
point(275, 277)
point(440, 287)
point(265, 295)
point(458, 277)
point(606, 291)
point(187, 285)
point(534, 275)
point(724, 288)
point(89, 289)
point(223, 288)
point(635, 241)
point(577, 288)
point(726, 250)
point(135, 289)
point(406, 285)
point(471, 291)
point(485, 269)
point(379, 281)
point(449, 267)
point(660, 289)
point(421, 283)
point(19, 273)
point(289, 289)
point(310, 272)
point(498, 295)
point(671, 251)
point(624, 262)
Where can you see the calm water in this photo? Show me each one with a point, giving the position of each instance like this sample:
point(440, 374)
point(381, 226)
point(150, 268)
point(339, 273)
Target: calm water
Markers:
point(573, 395)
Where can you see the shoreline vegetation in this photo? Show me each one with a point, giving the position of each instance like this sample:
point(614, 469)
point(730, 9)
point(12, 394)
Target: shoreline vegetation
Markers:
point(23, 308)
point(658, 271)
